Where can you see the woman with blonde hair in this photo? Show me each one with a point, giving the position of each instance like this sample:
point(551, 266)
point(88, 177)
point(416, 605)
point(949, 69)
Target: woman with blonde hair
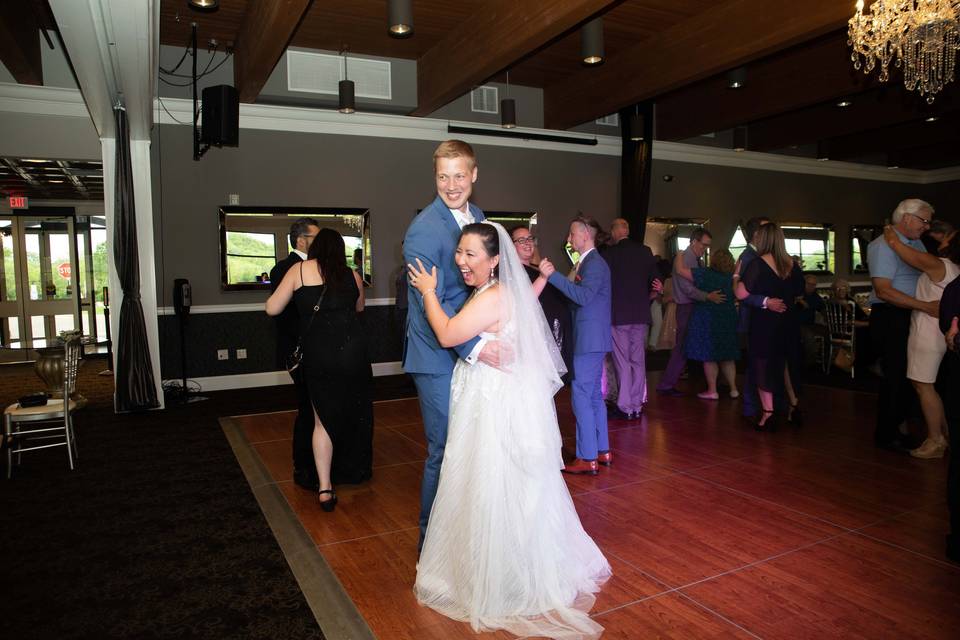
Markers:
point(772, 333)
point(712, 331)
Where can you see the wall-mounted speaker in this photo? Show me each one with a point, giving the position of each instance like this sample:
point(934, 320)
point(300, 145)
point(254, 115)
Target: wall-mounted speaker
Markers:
point(220, 116)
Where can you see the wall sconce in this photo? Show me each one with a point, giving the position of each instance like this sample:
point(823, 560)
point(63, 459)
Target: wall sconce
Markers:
point(400, 18)
point(591, 42)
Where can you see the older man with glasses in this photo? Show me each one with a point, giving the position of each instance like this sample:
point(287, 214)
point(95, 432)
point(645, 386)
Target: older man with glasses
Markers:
point(892, 301)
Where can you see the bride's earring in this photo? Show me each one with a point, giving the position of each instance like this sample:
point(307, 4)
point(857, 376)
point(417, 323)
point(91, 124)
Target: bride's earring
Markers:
point(491, 273)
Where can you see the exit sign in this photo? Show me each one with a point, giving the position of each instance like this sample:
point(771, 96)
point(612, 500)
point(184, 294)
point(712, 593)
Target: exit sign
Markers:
point(19, 202)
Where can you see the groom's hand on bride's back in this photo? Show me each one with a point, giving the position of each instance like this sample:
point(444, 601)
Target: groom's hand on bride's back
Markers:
point(496, 354)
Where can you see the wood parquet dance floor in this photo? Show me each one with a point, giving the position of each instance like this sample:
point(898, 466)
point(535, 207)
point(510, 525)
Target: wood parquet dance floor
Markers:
point(713, 530)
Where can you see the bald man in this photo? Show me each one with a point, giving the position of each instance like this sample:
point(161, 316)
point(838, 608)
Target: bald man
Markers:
point(633, 281)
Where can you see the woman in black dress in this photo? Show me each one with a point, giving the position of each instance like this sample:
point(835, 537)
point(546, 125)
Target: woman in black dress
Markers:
point(553, 303)
point(336, 363)
point(774, 339)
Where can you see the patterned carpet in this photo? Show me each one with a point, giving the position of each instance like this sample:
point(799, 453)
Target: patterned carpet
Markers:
point(155, 534)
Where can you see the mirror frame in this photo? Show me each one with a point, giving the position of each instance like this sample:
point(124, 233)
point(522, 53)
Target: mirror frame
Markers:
point(292, 212)
point(866, 267)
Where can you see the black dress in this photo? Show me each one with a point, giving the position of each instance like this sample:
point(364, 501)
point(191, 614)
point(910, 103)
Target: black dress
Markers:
point(774, 338)
point(336, 366)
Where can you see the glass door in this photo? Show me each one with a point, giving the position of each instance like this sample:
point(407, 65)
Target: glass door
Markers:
point(10, 308)
point(44, 256)
point(51, 306)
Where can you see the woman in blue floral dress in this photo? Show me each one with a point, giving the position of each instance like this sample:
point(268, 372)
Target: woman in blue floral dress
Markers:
point(712, 330)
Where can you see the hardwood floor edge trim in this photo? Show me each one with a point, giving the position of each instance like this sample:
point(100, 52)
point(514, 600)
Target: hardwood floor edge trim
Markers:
point(335, 612)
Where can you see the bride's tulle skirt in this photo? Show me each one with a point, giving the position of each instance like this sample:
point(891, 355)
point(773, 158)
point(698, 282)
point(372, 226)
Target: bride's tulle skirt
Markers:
point(504, 548)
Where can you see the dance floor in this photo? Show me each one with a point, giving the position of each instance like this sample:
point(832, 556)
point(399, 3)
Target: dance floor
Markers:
point(712, 529)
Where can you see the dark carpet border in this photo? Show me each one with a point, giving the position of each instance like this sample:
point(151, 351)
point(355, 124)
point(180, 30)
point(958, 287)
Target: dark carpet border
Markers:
point(333, 609)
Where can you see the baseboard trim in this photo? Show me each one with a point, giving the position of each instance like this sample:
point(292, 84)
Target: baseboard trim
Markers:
point(272, 378)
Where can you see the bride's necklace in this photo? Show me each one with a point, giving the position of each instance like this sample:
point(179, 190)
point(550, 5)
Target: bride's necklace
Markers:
point(486, 285)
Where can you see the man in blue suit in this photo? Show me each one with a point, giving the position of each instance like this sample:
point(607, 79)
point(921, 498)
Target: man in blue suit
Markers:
point(433, 237)
point(590, 294)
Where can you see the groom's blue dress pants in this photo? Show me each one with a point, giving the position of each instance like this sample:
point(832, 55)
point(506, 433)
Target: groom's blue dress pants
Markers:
point(434, 392)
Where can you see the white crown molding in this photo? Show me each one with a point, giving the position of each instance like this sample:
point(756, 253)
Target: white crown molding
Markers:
point(254, 307)
point(271, 378)
point(47, 101)
point(68, 102)
point(697, 154)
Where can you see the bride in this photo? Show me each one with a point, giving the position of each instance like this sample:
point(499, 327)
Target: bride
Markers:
point(504, 547)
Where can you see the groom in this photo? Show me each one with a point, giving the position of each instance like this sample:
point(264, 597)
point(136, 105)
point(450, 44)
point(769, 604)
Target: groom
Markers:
point(590, 294)
point(433, 237)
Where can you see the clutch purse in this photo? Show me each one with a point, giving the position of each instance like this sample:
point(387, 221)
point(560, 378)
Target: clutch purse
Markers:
point(33, 400)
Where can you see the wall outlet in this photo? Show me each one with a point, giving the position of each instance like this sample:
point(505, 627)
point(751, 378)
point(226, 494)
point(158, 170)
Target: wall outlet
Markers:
point(234, 199)
point(223, 354)
point(241, 354)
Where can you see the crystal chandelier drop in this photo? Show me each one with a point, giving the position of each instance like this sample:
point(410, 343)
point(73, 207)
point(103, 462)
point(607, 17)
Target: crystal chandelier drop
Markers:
point(922, 36)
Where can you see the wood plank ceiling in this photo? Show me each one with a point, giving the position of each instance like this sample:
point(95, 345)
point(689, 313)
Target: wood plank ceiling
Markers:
point(675, 53)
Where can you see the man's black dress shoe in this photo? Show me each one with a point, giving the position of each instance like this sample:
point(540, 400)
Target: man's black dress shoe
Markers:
point(305, 479)
point(615, 413)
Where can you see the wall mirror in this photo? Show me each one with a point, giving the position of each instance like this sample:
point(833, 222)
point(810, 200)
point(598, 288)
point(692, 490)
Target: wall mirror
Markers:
point(860, 237)
point(667, 237)
point(254, 239)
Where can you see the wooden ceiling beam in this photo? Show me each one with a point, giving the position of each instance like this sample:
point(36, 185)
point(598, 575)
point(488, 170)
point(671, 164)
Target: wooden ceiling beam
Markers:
point(727, 35)
point(498, 35)
point(263, 37)
point(805, 75)
point(884, 107)
point(20, 42)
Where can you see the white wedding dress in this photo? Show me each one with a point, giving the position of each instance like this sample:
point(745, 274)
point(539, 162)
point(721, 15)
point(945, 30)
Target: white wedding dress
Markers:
point(504, 547)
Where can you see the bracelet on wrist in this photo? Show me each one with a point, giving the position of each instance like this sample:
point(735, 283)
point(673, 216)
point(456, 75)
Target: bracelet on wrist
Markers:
point(434, 291)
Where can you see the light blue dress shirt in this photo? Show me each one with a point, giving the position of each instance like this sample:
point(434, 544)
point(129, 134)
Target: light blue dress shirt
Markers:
point(885, 263)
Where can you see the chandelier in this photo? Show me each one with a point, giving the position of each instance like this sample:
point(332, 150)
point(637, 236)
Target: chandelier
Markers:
point(922, 36)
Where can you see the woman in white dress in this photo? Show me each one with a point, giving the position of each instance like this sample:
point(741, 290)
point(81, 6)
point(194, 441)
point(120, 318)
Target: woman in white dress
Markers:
point(926, 347)
point(504, 547)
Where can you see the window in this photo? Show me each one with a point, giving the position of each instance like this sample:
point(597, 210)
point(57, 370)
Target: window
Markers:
point(249, 255)
point(738, 243)
point(813, 243)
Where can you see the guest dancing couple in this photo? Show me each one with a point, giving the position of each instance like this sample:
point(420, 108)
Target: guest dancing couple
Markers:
point(501, 544)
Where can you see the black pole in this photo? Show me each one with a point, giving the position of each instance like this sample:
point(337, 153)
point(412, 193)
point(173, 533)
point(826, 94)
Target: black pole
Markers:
point(636, 164)
point(196, 134)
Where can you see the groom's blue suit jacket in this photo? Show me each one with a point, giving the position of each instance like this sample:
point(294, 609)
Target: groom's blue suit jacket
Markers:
point(433, 237)
point(590, 294)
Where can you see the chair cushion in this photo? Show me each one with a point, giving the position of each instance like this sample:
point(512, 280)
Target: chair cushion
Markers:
point(54, 406)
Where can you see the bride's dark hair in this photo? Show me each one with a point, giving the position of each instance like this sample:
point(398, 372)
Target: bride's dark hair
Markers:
point(488, 235)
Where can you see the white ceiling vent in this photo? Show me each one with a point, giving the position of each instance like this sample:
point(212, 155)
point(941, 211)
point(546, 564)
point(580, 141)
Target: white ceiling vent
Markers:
point(484, 100)
point(611, 120)
point(321, 73)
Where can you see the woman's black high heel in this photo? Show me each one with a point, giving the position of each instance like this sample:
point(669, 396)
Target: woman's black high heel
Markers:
point(795, 416)
point(765, 425)
point(331, 504)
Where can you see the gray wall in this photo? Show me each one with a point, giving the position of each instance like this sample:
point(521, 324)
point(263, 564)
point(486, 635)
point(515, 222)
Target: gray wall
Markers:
point(393, 178)
point(727, 195)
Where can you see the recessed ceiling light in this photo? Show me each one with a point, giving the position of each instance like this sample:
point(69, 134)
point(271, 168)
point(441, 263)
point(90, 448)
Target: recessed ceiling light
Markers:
point(32, 160)
point(55, 181)
point(844, 103)
point(931, 119)
point(822, 159)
